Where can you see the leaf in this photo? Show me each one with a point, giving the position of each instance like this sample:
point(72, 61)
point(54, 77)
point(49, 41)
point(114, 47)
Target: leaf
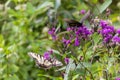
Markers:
point(63, 68)
point(86, 64)
point(72, 67)
point(68, 68)
point(75, 77)
point(2, 42)
point(13, 68)
point(2, 57)
point(57, 4)
point(101, 8)
point(105, 5)
point(10, 77)
point(96, 37)
point(50, 77)
point(45, 4)
point(30, 8)
point(42, 8)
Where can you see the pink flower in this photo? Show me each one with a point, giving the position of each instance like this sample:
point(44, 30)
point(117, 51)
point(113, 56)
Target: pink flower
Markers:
point(117, 79)
point(82, 11)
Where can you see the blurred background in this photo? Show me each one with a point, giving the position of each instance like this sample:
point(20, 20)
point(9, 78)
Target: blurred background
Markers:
point(24, 26)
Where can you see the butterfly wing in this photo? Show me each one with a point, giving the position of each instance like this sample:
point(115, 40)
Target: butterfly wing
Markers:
point(44, 63)
point(40, 61)
point(72, 23)
point(56, 62)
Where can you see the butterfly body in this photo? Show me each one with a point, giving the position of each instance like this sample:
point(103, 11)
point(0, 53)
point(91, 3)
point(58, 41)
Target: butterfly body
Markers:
point(72, 23)
point(44, 63)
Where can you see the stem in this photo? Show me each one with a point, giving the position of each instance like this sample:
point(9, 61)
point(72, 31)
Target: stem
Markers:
point(106, 75)
point(65, 32)
point(84, 53)
point(88, 71)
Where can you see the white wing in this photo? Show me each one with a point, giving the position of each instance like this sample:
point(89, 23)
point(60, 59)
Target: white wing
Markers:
point(44, 63)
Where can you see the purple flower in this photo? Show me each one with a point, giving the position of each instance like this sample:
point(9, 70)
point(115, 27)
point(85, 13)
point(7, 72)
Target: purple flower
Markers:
point(82, 12)
point(116, 39)
point(107, 39)
point(46, 55)
point(107, 31)
point(54, 37)
point(111, 28)
point(66, 42)
point(51, 51)
point(118, 31)
point(77, 42)
point(117, 79)
point(82, 32)
point(66, 60)
point(103, 23)
point(52, 33)
point(69, 28)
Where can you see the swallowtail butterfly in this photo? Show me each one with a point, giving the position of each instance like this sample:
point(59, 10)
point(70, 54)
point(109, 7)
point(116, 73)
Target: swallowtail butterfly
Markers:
point(72, 23)
point(44, 63)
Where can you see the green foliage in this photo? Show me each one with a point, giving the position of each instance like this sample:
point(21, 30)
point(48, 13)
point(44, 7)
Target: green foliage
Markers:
point(23, 27)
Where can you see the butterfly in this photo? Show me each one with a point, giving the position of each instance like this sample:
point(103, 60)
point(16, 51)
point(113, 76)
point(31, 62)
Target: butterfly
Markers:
point(73, 23)
point(41, 62)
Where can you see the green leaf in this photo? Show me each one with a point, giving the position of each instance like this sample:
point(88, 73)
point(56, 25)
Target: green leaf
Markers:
point(2, 42)
point(42, 8)
point(68, 68)
point(57, 4)
point(75, 77)
point(30, 8)
point(50, 77)
point(72, 67)
point(86, 64)
point(12, 77)
point(96, 38)
point(13, 68)
point(63, 68)
point(94, 1)
point(101, 8)
point(105, 5)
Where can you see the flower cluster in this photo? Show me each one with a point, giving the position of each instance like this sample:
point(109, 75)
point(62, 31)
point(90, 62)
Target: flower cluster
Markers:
point(77, 33)
point(116, 38)
point(109, 33)
point(82, 32)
